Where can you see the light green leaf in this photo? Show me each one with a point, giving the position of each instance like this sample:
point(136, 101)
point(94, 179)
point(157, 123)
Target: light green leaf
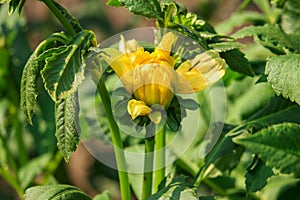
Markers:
point(116, 3)
point(237, 19)
point(284, 75)
point(290, 20)
point(256, 178)
point(55, 192)
point(226, 46)
point(278, 146)
point(270, 36)
point(147, 8)
point(67, 124)
point(177, 189)
point(237, 62)
point(104, 196)
point(33, 168)
point(63, 71)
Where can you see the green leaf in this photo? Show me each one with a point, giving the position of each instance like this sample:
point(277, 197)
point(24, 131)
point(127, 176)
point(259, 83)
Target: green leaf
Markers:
point(72, 20)
point(226, 46)
point(55, 192)
point(178, 188)
point(15, 4)
point(63, 71)
point(67, 125)
point(256, 178)
point(29, 92)
point(33, 168)
point(189, 104)
point(237, 19)
point(116, 3)
point(104, 196)
point(237, 62)
point(278, 146)
point(147, 8)
point(270, 36)
point(284, 75)
point(290, 20)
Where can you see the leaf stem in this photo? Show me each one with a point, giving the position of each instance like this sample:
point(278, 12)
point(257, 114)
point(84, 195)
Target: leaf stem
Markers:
point(148, 166)
point(160, 157)
point(116, 139)
point(59, 16)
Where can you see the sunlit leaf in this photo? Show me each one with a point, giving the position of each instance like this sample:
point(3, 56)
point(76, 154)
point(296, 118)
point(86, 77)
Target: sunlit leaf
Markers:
point(67, 125)
point(147, 8)
point(278, 146)
point(33, 168)
point(63, 71)
point(55, 192)
point(284, 75)
point(103, 196)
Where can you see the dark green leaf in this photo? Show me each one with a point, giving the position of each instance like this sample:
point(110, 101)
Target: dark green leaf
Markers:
point(33, 168)
point(63, 71)
point(55, 192)
point(278, 146)
point(237, 62)
point(147, 8)
point(256, 178)
point(189, 104)
point(284, 75)
point(116, 3)
point(120, 108)
point(72, 20)
point(67, 124)
point(15, 4)
point(290, 20)
point(29, 92)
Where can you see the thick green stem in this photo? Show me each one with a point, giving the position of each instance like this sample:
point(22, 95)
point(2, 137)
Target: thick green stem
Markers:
point(116, 139)
point(148, 166)
point(59, 16)
point(160, 157)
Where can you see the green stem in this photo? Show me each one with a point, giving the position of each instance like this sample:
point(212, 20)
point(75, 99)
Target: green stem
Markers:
point(12, 180)
point(51, 167)
point(160, 157)
point(148, 162)
point(59, 16)
point(116, 139)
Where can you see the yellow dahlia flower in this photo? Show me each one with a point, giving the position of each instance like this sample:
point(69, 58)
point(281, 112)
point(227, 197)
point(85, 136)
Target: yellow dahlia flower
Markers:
point(151, 77)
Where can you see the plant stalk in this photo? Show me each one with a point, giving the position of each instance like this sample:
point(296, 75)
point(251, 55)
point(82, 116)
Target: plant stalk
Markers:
point(148, 166)
point(160, 157)
point(116, 139)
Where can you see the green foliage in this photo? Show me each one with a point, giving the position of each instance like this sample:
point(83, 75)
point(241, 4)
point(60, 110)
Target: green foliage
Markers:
point(67, 124)
point(104, 196)
point(277, 146)
point(283, 75)
point(64, 69)
point(290, 21)
point(55, 192)
point(178, 188)
point(257, 175)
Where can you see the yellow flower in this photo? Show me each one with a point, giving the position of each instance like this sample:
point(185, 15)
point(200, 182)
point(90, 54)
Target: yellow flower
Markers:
point(151, 77)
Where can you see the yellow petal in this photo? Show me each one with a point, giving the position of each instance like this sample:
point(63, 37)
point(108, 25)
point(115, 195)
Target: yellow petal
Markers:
point(163, 49)
point(127, 46)
point(120, 63)
point(137, 108)
point(195, 75)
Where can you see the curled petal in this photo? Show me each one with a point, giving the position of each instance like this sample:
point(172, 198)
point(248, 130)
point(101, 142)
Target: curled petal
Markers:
point(127, 46)
point(137, 108)
point(163, 49)
point(195, 75)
